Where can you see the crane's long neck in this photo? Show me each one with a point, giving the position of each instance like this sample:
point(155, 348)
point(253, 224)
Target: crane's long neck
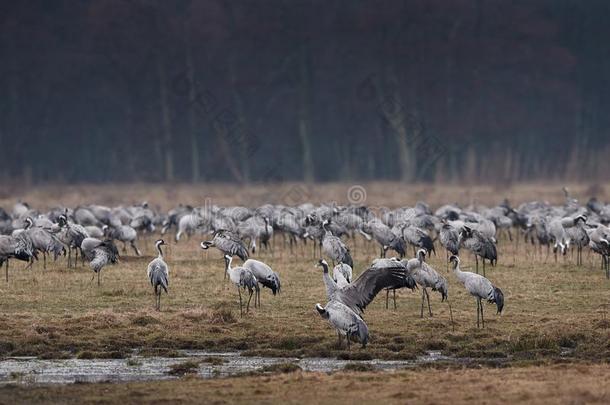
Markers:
point(330, 284)
point(459, 273)
point(160, 251)
point(228, 268)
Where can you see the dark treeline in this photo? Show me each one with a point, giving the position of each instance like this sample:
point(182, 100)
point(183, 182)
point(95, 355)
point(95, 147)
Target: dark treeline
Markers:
point(222, 90)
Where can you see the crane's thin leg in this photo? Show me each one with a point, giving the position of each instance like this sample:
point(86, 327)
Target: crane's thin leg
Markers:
point(483, 267)
point(159, 299)
point(75, 257)
point(6, 271)
point(69, 256)
point(135, 248)
point(347, 335)
point(387, 294)
point(44, 260)
point(98, 278)
point(394, 293)
point(249, 299)
point(241, 311)
point(478, 306)
point(428, 299)
point(339, 339)
point(476, 258)
point(423, 298)
point(482, 318)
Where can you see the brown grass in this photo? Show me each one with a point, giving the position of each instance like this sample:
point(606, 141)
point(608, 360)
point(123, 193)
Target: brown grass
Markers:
point(556, 384)
point(390, 194)
point(59, 312)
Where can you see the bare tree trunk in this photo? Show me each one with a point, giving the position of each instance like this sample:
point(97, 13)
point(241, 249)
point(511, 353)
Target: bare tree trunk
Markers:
point(304, 119)
point(167, 147)
point(393, 110)
point(190, 74)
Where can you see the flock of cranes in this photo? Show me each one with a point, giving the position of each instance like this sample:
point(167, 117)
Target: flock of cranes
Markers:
point(93, 231)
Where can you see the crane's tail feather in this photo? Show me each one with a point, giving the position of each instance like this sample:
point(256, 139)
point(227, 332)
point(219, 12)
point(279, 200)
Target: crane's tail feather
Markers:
point(498, 298)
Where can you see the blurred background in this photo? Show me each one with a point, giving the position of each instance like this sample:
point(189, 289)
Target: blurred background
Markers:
point(118, 91)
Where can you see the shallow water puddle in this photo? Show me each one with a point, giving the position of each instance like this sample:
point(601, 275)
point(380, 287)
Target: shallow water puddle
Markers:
point(31, 370)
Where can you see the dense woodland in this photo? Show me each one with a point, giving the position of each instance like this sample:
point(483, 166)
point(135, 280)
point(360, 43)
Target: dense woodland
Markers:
point(249, 91)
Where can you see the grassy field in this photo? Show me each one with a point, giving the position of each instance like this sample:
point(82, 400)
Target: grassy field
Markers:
point(554, 313)
point(60, 312)
point(556, 384)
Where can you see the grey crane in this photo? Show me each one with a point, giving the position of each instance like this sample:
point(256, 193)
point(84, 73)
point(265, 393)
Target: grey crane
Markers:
point(345, 321)
point(123, 233)
point(264, 275)
point(577, 235)
point(479, 287)
point(189, 223)
point(406, 282)
point(242, 278)
point(385, 237)
point(45, 242)
point(229, 244)
point(343, 270)
point(426, 277)
point(599, 242)
point(329, 283)
point(418, 238)
point(335, 248)
point(450, 239)
point(103, 254)
point(15, 247)
point(255, 229)
point(480, 245)
point(158, 274)
point(71, 235)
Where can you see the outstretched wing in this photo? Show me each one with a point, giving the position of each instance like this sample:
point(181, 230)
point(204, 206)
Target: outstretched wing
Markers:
point(363, 290)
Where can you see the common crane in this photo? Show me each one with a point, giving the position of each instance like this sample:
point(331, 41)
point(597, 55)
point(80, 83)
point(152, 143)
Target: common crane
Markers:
point(229, 244)
point(345, 321)
point(103, 254)
point(15, 247)
point(242, 278)
point(426, 277)
point(480, 245)
point(479, 287)
point(334, 247)
point(264, 275)
point(158, 274)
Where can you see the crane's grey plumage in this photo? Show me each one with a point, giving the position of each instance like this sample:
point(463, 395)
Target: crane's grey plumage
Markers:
point(264, 275)
point(450, 239)
point(578, 236)
point(255, 229)
point(361, 292)
point(385, 237)
point(334, 247)
point(228, 243)
point(418, 238)
point(15, 247)
point(103, 254)
point(480, 245)
point(125, 234)
point(344, 270)
point(242, 278)
point(479, 287)
point(406, 282)
point(71, 235)
point(426, 277)
point(158, 274)
point(45, 242)
point(329, 283)
point(347, 322)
